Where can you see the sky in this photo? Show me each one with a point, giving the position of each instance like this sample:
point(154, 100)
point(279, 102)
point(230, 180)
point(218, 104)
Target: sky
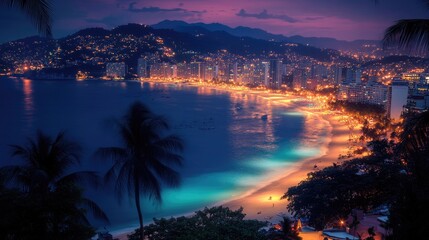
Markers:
point(340, 19)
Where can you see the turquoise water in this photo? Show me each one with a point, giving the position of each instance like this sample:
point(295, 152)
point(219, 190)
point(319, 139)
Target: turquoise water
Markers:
point(229, 148)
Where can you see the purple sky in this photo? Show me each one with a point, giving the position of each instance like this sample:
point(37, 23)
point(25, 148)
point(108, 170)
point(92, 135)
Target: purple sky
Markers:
point(341, 19)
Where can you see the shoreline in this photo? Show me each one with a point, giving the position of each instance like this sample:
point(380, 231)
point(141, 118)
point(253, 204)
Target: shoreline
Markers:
point(264, 204)
point(263, 201)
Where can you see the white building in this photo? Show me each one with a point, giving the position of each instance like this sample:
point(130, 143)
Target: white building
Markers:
point(371, 93)
point(266, 72)
point(398, 98)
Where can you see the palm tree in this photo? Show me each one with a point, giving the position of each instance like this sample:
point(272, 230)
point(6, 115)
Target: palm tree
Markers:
point(143, 162)
point(415, 137)
point(39, 11)
point(44, 179)
point(409, 34)
point(287, 232)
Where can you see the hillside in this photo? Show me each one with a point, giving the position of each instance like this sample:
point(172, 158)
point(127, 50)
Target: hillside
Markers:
point(95, 46)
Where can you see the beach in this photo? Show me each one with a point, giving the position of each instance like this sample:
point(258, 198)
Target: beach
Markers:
point(263, 202)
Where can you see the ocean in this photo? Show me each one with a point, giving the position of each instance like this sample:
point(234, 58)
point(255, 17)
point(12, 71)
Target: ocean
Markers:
point(235, 141)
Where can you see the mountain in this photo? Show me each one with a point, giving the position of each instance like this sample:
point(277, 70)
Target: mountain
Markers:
point(89, 49)
point(240, 31)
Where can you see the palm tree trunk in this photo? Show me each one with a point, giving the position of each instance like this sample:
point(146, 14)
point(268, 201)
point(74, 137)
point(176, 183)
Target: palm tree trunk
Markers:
point(139, 211)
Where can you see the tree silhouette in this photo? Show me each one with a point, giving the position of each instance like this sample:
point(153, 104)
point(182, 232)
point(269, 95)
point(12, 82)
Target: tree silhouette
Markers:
point(409, 209)
point(39, 11)
point(46, 193)
point(409, 34)
point(143, 162)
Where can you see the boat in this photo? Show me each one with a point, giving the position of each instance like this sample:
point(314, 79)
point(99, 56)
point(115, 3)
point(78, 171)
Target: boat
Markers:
point(264, 117)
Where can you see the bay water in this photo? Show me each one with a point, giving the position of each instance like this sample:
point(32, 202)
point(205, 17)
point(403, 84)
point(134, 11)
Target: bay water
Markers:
point(234, 141)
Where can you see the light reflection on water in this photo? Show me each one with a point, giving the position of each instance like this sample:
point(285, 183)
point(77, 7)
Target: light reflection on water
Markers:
point(230, 149)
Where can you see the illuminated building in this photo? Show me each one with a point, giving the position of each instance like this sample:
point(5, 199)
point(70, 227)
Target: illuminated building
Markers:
point(197, 70)
point(398, 98)
point(161, 70)
point(299, 78)
point(174, 71)
point(116, 70)
point(266, 73)
point(411, 77)
point(353, 75)
point(210, 72)
point(339, 75)
point(142, 68)
point(275, 74)
point(371, 93)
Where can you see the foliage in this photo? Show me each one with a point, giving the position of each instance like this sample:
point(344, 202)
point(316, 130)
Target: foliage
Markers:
point(330, 194)
point(214, 223)
point(402, 182)
point(408, 34)
point(371, 234)
point(408, 212)
point(53, 216)
point(360, 109)
point(287, 232)
point(143, 165)
point(39, 197)
point(39, 12)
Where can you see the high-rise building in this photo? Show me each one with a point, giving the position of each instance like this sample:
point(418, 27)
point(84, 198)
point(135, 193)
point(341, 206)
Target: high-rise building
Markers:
point(299, 78)
point(275, 74)
point(161, 70)
point(197, 70)
point(116, 70)
point(266, 69)
point(233, 72)
point(371, 93)
point(209, 72)
point(174, 71)
point(216, 72)
point(142, 68)
point(339, 75)
point(353, 75)
point(398, 98)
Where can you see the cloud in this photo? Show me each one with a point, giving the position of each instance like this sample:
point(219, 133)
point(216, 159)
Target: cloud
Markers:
point(314, 18)
point(132, 8)
point(108, 21)
point(265, 15)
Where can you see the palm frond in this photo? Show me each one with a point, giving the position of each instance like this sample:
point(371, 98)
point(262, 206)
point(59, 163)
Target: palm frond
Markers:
point(22, 152)
point(408, 34)
point(95, 210)
point(125, 180)
point(168, 157)
point(171, 143)
point(111, 175)
point(150, 186)
point(157, 123)
point(39, 11)
point(166, 174)
point(128, 136)
point(117, 154)
point(10, 173)
point(415, 136)
point(82, 178)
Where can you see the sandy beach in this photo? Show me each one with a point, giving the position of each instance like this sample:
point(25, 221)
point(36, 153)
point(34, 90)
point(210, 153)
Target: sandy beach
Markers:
point(264, 203)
